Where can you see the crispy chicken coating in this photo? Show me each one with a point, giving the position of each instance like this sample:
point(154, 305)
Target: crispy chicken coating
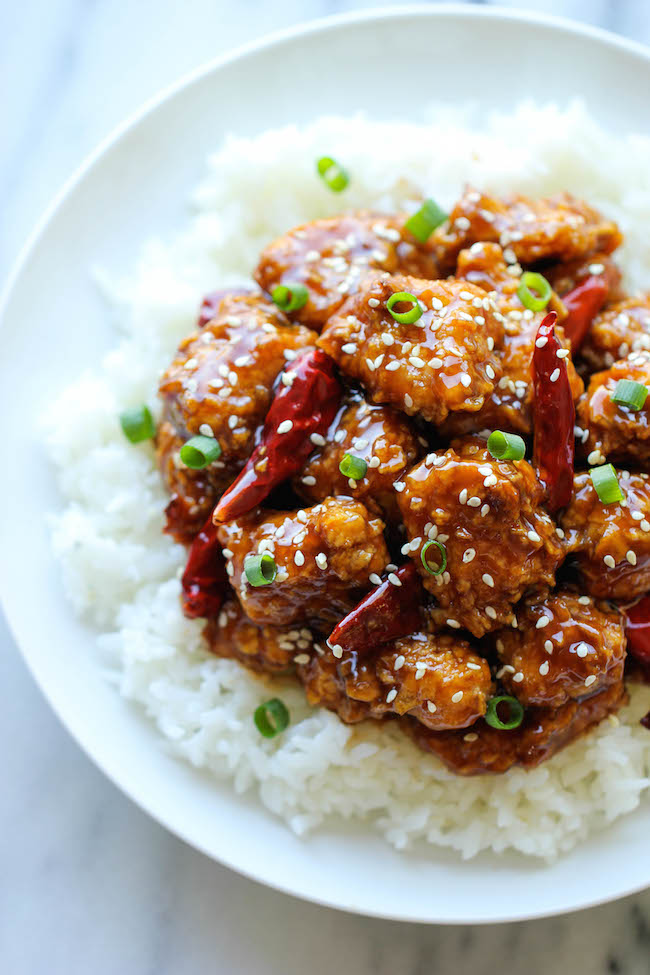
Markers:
point(557, 228)
point(543, 732)
point(621, 328)
point(381, 437)
point(434, 677)
point(262, 648)
point(331, 257)
point(564, 647)
point(616, 432)
point(444, 361)
point(500, 543)
point(611, 542)
point(324, 557)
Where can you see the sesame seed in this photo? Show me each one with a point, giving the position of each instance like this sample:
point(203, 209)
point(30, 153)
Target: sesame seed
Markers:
point(489, 371)
point(394, 579)
point(609, 562)
point(370, 364)
point(472, 666)
point(562, 353)
point(470, 736)
point(541, 342)
point(309, 480)
point(555, 375)
point(420, 672)
point(506, 669)
point(374, 302)
point(636, 515)
point(349, 348)
point(595, 457)
point(408, 401)
point(399, 486)
point(542, 622)
point(387, 338)
point(534, 537)
point(337, 650)
point(582, 649)
point(491, 612)
point(590, 680)
point(233, 421)
point(299, 558)
point(465, 379)
point(490, 343)
point(468, 555)
point(391, 696)
point(378, 361)
point(488, 580)
point(645, 525)
point(548, 646)
point(285, 426)
point(474, 502)
point(374, 462)
point(455, 625)
point(484, 510)
point(631, 557)
point(206, 430)
point(518, 677)
point(431, 707)
point(301, 658)
point(352, 483)
point(400, 660)
point(544, 668)
point(321, 560)
point(374, 579)
point(462, 497)
point(457, 697)
point(416, 361)
point(393, 366)
point(559, 532)
point(317, 439)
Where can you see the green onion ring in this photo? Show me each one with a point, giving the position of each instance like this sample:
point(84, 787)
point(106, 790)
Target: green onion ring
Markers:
point(137, 424)
point(443, 555)
point(354, 467)
point(200, 451)
point(290, 297)
point(605, 482)
point(332, 173)
point(532, 282)
point(271, 718)
point(406, 317)
point(425, 220)
point(506, 446)
point(260, 570)
point(631, 394)
point(516, 713)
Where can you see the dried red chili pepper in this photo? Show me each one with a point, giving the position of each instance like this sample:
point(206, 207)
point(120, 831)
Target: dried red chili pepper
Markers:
point(553, 416)
point(205, 580)
point(306, 406)
point(211, 302)
point(582, 304)
point(386, 613)
point(638, 631)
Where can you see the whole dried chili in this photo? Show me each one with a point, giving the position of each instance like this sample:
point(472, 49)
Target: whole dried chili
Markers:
point(205, 581)
point(582, 304)
point(305, 403)
point(553, 416)
point(386, 613)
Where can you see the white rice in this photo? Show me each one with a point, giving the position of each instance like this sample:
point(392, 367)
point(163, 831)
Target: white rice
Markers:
point(121, 572)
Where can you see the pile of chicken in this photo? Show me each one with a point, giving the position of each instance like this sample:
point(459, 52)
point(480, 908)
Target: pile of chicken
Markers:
point(532, 600)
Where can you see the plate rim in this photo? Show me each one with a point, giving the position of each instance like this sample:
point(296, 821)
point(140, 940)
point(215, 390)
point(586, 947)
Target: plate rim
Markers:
point(121, 130)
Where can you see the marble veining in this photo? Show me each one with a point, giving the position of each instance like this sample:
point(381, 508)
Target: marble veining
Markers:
point(89, 883)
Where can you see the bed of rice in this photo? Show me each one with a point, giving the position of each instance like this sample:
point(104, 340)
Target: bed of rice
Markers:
point(121, 572)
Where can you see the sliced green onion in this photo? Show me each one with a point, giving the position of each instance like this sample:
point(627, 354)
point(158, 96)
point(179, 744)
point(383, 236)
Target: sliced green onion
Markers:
point(534, 291)
point(443, 557)
point(332, 173)
point(404, 317)
point(630, 394)
point(290, 297)
point(198, 452)
point(260, 569)
point(606, 484)
point(354, 467)
point(506, 446)
point(425, 220)
point(271, 718)
point(515, 710)
point(137, 424)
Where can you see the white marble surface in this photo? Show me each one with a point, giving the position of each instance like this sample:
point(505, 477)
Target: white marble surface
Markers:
point(89, 884)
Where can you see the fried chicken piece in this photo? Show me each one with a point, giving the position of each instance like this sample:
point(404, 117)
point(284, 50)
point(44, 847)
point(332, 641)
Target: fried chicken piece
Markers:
point(616, 432)
point(436, 678)
point(500, 543)
point(324, 556)
point(262, 648)
point(543, 732)
point(380, 436)
point(611, 542)
point(557, 228)
point(563, 647)
point(445, 361)
point(621, 328)
point(331, 256)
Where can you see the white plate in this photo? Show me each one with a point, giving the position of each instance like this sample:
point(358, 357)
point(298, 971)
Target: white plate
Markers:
point(388, 63)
